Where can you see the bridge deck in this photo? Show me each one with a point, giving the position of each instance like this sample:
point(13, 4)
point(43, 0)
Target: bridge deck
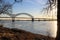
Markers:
point(28, 19)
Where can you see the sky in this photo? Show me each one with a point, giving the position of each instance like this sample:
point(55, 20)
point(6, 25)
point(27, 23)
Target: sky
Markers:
point(32, 7)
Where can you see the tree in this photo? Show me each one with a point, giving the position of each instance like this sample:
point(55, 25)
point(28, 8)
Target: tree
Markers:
point(50, 4)
point(5, 7)
point(58, 23)
point(54, 3)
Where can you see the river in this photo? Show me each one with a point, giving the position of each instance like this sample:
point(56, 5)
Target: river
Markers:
point(48, 28)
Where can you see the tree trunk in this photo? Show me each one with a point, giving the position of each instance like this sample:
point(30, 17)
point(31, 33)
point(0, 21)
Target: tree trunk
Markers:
point(58, 24)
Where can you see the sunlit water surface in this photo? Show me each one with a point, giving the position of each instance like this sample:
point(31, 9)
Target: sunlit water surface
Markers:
point(48, 28)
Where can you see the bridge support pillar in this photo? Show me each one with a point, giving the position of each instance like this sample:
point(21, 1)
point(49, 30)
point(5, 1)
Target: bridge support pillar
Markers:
point(13, 19)
point(32, 19)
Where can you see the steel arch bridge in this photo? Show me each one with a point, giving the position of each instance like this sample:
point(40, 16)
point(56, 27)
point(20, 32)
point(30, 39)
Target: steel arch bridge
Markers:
point(24, 14)
point(13, 16)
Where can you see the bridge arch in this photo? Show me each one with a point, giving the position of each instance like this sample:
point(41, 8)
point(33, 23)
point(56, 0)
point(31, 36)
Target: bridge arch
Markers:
point(25, 14)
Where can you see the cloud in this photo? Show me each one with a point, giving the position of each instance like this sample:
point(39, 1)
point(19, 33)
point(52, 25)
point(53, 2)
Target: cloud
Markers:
point(36, 2)
point(30, 1)
point(40, 1)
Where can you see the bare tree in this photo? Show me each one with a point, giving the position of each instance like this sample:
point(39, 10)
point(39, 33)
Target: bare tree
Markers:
point(49, 8)
point(54, 3)
point(5, 7)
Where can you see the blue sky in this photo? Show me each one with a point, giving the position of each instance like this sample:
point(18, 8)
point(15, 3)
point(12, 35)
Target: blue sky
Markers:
point(32, 7)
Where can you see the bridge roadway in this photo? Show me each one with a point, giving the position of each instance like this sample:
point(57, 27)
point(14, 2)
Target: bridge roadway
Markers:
point(29, 19)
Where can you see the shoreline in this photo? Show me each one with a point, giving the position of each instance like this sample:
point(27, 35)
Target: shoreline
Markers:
point(21, 34)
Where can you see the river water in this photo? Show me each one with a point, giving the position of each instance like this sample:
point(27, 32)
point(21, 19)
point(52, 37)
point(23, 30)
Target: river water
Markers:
point(48, 28)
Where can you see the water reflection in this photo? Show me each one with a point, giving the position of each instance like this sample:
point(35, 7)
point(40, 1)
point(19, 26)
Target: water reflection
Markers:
point(13, 24)
point(37, 27)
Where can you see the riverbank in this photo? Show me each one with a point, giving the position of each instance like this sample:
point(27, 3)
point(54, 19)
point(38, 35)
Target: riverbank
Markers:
point(17, 34)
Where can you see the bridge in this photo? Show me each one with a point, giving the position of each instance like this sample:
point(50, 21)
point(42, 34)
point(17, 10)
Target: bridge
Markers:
point(13, 16)
point(35, 19)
